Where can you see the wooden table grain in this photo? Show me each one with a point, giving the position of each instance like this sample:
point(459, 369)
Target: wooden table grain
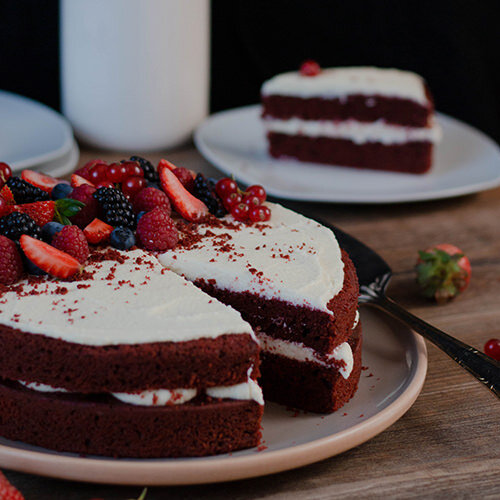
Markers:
point(448, 444)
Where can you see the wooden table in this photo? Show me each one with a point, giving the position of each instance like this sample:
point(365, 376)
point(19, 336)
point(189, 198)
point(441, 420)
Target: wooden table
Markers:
point(448, 444)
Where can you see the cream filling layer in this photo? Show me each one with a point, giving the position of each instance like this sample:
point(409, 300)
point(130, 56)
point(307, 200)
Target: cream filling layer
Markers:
point(355, 131)
point(248, 390)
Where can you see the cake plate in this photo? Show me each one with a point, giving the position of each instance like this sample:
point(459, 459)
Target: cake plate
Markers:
point(466, 161)
point(394, 368)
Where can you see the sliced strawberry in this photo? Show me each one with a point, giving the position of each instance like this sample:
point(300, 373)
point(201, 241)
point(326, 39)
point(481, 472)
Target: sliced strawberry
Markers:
point(184, 202)
point(76, 181)
point(49, 259)
point(165, 163)
point(44, 182)
point(7, 195)
point(97, 231)
point(40, 211)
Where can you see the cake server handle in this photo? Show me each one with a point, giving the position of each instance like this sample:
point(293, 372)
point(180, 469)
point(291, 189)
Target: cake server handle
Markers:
point(484, 368)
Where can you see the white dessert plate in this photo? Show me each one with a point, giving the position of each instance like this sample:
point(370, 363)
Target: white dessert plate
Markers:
point(395, 364)
point(61, 166)
point(30, 132)
point(466, 161)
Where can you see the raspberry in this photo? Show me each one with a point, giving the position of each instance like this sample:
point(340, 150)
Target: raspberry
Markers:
point(206, 193)
point(184, 175)
point(148, 168)
point(90, 211)
point(310, 68)
point(11, 266)
point(157, 231)
point(16, 224)
point(116, 209)
point(150, 198)
point(24, 192)
point(70, 239)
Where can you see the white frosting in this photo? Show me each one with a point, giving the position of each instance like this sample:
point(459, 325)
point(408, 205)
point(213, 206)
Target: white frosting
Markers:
point(35, 386)
point(293, 259)
point(340, 82)
point(342, 354)
point(128, 303)
point(245, 390)
point(356, 320)
point(355, 131)
point(159, 397)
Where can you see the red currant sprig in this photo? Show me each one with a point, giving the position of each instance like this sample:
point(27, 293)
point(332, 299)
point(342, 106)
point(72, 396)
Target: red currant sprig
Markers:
point(244, 206)
point(5, 173)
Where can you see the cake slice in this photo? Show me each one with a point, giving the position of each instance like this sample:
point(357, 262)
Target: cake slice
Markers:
point(367, 117)
point(291, 281)
point(128, 359)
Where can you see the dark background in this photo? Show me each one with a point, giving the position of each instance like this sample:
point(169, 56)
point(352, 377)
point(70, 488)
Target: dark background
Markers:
point(455, 45)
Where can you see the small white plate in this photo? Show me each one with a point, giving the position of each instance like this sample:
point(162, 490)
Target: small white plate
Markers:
point(61, 166)
point(395, 364)
point(31, 133)
point(466, 161)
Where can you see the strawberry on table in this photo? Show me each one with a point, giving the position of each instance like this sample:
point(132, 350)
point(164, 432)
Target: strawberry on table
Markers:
point(443, 272)
point(44, 182)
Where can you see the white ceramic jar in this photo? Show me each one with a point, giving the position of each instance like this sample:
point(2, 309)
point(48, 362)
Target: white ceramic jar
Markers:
point(135, 73)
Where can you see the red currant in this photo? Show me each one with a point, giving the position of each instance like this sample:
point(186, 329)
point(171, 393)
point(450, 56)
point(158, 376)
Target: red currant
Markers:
point(186, 178)
point(116, 172)
point(251, 200)
point(98, 173)
point(226, 186)
point(258, 191)
point(104, 184)
point(492, 349)
point(132, 185)
point(240, 212)
point(260, 213)
point(310, 68)
point(231, 199)
point(5, 173)
point(133, 169)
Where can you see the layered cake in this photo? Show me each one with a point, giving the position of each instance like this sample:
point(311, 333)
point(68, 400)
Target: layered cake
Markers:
point(364, 117)
point(144, 324)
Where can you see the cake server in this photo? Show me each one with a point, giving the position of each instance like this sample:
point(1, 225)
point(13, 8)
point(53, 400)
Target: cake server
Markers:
point(374, 275)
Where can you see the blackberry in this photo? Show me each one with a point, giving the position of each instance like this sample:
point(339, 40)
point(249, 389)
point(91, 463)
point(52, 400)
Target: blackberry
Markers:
point(24, 192)
point(150, 173)
point(14, 225)
point(204, 191)
point(116, 209)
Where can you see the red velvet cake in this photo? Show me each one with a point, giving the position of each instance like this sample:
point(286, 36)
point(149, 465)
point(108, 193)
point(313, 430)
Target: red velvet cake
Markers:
point(364, 117)
point(154, 351)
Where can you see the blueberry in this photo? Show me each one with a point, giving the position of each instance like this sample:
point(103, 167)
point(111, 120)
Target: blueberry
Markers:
point(61, 190)
point(139, 215)
point(32, 268)
point(150, 184)
point(50, 229)
point(122, 238)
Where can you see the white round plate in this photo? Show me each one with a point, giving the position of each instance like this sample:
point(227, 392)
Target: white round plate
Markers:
point(395, 361)
point(466, 161)
point(61, 166)
point(30, 132)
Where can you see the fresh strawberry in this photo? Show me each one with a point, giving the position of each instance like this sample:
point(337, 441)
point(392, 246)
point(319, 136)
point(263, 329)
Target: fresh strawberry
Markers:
point(185, 175)
point(90, 210)
point(7, 491)
point(184, 202)
point(443, 272)
point(49, 259)
point(11, 266)
point(7, 195)
point(44, 182)
point(43, 212)
point(97, 231)
point(76, 181)
point(70, 239)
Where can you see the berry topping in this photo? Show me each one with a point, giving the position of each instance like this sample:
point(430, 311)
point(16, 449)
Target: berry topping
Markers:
point(61, 190)
point(260, 213)
point(49, 230)
point(122, 238)
point(24, 192)
point(225, 187)
point(310, 68)
point(132, 185)
point(258, 191)
point(76, 181)
point(90, 210)
point(185, 203)
point(157, 231)
point(204, 191)
point(147, 167)
point(443, 272)
point(85, 170)
point(4, 207)
point(70, 239)
point(231, 199)
point(132, 168)
point(41, 212)
point(149, 199)
point(97, 231)
point(186, 178)
point(11, 265)
point(49, 259)
point(251, 200)
point(7, 491)
point(117, 172)
point(5, 173)
point(491, 348)
point(240, 212)
point(7, 195)
point(44, 182)
point(16, 224)
point(104, 184)
point(116, 210)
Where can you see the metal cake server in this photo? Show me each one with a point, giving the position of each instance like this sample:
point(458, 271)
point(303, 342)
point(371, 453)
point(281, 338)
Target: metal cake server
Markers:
point(374, 275)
